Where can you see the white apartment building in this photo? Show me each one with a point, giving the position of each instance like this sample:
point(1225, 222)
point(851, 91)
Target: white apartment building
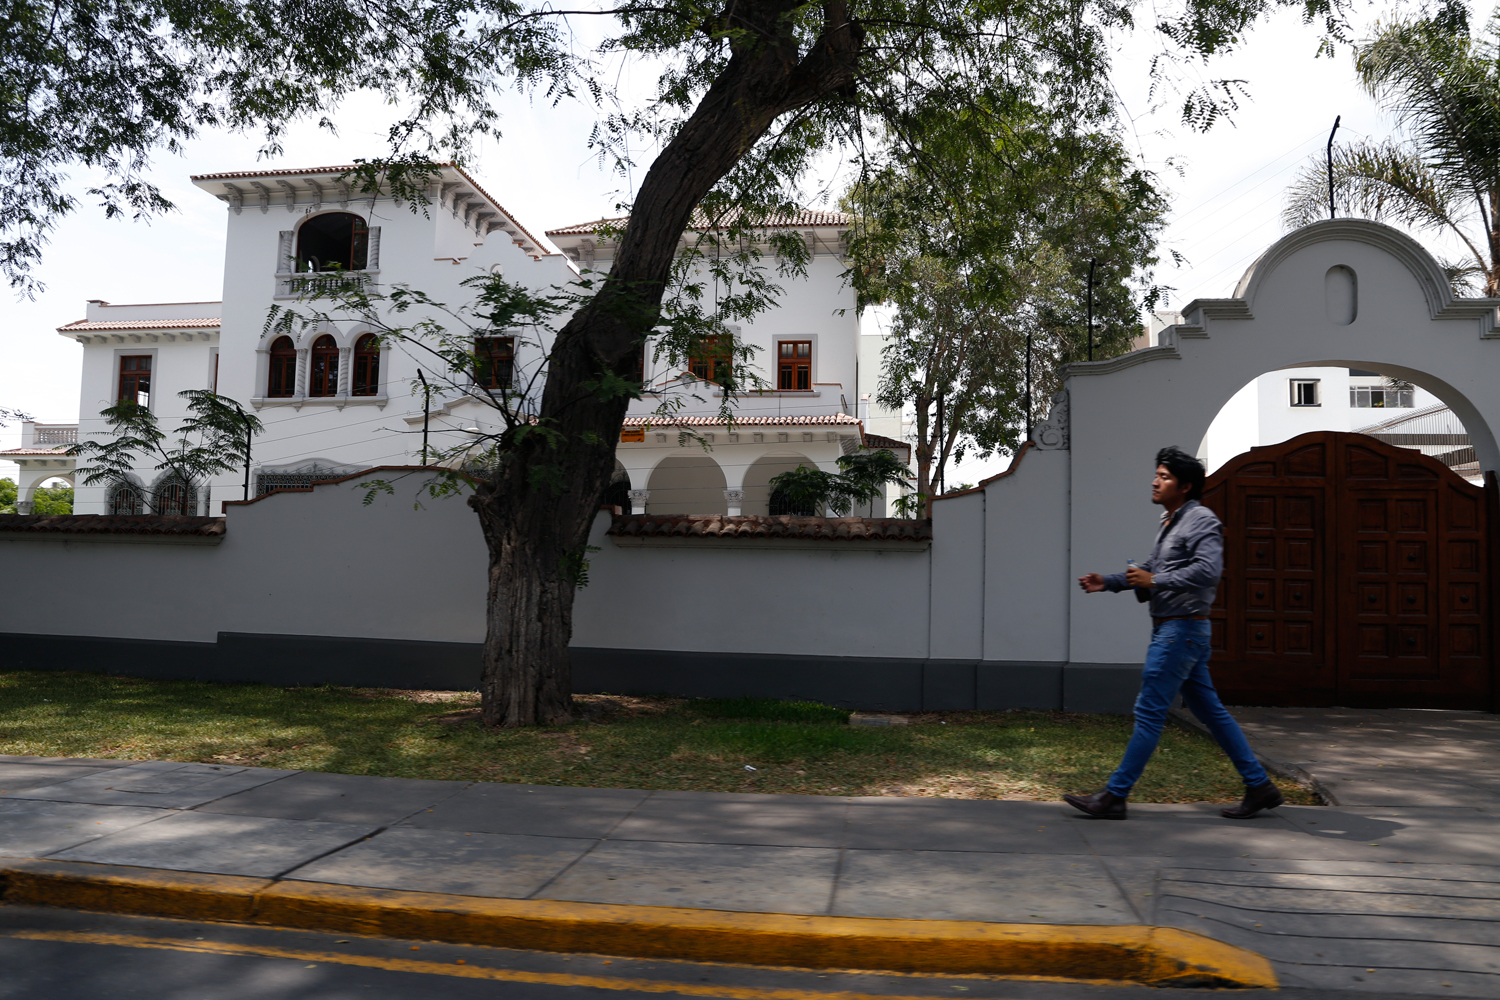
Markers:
point(335, 401)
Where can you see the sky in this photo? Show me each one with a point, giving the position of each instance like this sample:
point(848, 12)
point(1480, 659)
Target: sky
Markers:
point(1227, 189)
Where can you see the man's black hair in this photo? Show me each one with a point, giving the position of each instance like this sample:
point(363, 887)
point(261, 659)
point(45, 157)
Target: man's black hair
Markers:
point(1188, 470)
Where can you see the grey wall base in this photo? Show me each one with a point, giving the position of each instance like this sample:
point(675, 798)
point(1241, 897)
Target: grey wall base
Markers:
point(867, 683)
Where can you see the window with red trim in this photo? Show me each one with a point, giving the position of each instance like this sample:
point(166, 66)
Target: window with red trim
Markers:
point(495, 362)
point(135, 379)
point(711, 361)
point(366, 366)
point(283, 377)
point(794, 365)
point(323, 368)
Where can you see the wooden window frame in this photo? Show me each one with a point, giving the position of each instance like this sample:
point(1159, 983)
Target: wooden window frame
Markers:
point(495, 362)
point(138, 379)
point(713, 363)
point(282, 372)
point(323, 368)
point(359, 243)
point(366, 381)
point(794, 371)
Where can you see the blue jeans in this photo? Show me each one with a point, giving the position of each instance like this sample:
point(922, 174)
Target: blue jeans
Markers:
point(1178, 661)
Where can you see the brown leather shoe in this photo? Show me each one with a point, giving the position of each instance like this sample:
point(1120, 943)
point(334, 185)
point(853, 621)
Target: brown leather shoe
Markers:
point(1102, 804)
point(1265, 796)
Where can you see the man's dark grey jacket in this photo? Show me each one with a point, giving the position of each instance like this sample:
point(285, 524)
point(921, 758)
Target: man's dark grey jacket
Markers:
point(1186, 562)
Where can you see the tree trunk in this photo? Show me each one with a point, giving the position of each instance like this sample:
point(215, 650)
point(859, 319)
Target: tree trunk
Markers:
point(536, 511)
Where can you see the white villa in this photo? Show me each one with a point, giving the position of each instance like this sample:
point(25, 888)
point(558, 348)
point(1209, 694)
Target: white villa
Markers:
point(334, 401)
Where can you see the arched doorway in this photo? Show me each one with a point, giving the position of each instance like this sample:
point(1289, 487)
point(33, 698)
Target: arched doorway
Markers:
point(687, 484)
point(758, 479)
point(1355, 573)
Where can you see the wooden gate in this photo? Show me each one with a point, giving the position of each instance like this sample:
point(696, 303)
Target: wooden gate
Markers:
point(1355, 573)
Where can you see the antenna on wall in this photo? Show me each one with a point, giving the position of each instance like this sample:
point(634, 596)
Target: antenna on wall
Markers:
point(1336, 120)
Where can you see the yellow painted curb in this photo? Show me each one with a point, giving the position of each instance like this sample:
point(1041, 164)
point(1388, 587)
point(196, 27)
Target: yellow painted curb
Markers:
point(1162, 956)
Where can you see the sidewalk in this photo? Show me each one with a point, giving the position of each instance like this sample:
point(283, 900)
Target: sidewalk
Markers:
point(1390, 898)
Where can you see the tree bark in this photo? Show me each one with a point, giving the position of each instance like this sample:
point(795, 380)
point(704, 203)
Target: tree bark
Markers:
point(536, 511)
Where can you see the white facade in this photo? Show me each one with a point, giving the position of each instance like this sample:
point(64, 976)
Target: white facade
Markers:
point(319, 427)
point(1280, 405)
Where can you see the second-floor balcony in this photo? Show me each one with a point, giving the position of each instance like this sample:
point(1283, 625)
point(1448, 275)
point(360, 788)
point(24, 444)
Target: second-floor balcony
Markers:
point(35, 435)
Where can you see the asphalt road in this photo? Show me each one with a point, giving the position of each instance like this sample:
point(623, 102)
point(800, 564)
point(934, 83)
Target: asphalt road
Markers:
point(49, 954)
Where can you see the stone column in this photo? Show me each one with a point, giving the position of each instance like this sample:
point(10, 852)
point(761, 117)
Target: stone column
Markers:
point(735, 499)
point(638, 500)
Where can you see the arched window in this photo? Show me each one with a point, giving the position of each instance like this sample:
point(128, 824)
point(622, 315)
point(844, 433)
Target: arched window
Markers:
point(338, 241)
point(367, 366)
point(283, 378)
point(125, 499)
point(323, 368)
point(175, 497)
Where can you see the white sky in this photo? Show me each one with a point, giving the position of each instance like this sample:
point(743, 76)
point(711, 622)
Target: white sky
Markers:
point(1227, 189)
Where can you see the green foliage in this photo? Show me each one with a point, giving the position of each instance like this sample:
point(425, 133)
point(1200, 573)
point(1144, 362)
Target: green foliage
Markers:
point(861, 479)
point(767, 708)
point(9, 494)
point(980, 241)
point(1442, 86)
point(52, 500)
point(215, 438)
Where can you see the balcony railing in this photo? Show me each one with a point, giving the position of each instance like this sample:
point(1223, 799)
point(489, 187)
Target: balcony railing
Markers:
point(54, 434)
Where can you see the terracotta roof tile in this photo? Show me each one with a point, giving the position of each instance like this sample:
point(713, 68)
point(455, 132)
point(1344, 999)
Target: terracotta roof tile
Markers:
point(820, 420)
point(60, 451)
point(830, 529)
point(881, 441)
point(84, 325)
point(248, 174)
point(112, 524)
point(793, 220)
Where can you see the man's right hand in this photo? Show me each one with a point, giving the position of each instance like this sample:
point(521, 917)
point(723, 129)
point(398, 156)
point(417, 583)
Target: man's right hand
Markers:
point(1091, 583)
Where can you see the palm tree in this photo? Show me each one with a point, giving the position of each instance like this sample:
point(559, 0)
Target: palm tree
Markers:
point(1443, 87)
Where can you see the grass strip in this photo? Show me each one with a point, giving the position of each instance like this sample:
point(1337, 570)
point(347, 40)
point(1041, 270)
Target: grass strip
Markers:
point(617, 741)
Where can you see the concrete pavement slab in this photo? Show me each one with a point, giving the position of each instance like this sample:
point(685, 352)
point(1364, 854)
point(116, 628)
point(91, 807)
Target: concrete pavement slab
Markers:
point(469, 864)
point(97, 762)
point(337, 798)
point(164, 784)
point(222, 845)
point(933, 824)
point(1199, 831)
point(1351, 951)
point(962, 885)
point(537, 810)
point(36, 829)
point(1431, 835)
point(16, 777)
point(710, 876)
point(736, 818)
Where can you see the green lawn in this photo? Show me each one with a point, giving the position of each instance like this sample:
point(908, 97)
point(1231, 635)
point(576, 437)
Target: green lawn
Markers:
point(619, 742)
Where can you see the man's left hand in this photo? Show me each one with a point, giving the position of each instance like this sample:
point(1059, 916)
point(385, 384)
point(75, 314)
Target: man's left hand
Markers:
point(1137, 577)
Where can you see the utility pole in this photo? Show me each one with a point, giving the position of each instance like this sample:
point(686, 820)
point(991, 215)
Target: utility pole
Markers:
point(426, 408)
point(1028, 385)
point(246, 421)
point(1336, 120)
point(1092, 261)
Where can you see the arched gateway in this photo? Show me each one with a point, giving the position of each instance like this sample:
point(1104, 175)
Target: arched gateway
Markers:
point(1339, 293)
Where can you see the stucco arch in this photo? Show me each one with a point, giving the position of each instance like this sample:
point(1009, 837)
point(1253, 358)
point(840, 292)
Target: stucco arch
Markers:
point(758, 478)
point(687, 484)
point(1113, 415)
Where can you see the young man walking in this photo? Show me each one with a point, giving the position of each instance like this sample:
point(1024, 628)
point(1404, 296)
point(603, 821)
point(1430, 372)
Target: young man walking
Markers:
point(1180, 577)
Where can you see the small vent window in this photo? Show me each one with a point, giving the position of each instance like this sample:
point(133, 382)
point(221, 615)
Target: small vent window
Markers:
point(1305, 392)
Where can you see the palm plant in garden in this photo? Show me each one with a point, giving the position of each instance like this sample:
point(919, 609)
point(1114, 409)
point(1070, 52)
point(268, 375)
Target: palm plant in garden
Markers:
point(1442, 85)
